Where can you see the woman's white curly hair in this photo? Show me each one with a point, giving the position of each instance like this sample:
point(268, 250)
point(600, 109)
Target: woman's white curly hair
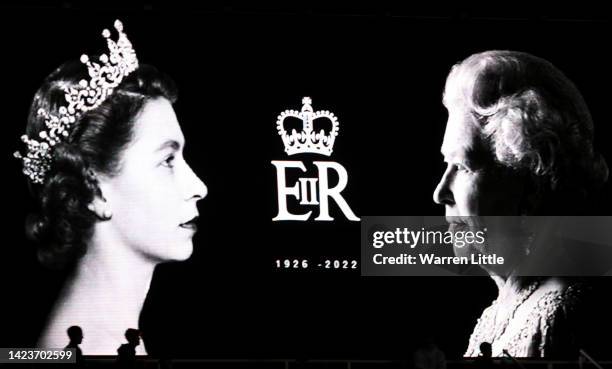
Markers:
point(532, 116)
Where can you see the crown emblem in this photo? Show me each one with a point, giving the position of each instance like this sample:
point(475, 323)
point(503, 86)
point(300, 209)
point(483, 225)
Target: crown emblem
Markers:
point(105, 75)
point(308, 140)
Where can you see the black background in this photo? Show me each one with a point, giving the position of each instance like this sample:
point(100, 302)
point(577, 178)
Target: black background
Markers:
point(380, 69)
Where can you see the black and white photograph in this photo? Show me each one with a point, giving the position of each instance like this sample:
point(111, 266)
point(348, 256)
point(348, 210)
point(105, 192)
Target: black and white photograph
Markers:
point(256, 185)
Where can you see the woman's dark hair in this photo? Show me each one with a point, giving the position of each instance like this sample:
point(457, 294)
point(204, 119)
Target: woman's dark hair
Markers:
point(63, 224)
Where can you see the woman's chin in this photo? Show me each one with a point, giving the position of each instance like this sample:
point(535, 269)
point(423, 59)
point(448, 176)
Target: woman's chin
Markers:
point(465, 250)
point(178, 252)
point(182, 252)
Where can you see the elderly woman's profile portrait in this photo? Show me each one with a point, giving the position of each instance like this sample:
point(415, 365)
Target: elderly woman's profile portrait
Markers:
point(114, 195)
point(519, 141)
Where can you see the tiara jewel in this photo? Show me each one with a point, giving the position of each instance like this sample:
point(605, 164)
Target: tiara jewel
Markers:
point(308, 140)
point(106, 74)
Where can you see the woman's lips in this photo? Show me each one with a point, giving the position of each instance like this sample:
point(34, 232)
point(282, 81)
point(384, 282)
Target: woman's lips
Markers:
point(192, 224)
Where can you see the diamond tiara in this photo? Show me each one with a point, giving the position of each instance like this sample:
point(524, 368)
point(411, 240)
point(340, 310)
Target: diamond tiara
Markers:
point(106, 74)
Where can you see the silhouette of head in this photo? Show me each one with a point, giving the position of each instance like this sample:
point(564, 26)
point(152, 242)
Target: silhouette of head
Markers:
point(132, 336)
point(486, 350)
point(76, 334)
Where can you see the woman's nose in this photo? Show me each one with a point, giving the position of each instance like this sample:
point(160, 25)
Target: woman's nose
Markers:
point(442, 194)
point(197, 189)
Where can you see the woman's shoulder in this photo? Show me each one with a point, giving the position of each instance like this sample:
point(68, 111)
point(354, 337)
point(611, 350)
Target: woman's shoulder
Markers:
point(561, 299)
point(570, 312)
point(562, 295)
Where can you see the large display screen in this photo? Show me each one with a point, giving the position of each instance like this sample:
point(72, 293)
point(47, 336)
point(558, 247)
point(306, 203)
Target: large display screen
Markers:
point(229, 222)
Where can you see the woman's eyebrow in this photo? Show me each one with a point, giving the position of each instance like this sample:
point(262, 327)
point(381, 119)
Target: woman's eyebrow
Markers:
point(467, 158)
point(172, 144)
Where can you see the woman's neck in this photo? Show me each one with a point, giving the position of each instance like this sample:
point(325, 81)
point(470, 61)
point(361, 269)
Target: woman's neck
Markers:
point(510, 287)
point(106, 293)
point(114, 275)
point(507, 286)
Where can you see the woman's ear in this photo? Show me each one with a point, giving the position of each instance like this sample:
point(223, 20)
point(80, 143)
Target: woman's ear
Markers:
point(99, 205)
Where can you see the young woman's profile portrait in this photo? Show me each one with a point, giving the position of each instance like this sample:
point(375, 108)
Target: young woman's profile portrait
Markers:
point(114, 195)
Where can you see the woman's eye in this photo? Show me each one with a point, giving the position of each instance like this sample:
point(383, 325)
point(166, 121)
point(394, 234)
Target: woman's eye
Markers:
point(169, 162)
point(461, 168)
